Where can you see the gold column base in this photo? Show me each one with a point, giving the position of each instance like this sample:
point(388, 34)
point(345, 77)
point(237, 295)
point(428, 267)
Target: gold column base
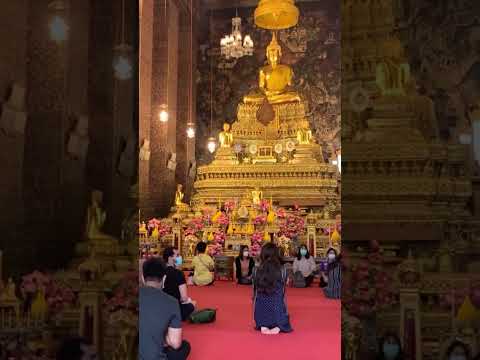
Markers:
point(304, 154)
point(225, 156)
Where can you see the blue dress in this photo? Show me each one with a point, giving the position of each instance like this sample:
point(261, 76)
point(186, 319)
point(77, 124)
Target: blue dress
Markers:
point(270, 310)
point(333, 290)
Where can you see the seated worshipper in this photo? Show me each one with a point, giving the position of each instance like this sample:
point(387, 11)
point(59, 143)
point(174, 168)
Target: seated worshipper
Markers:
point(458, 351)
point(160, 320)
point(175, 284)
point(305, 265)
point(202, 266)
point(390, 347)
point(76, 349)
point(244, 265)
point(333, 278)
point(269, 281)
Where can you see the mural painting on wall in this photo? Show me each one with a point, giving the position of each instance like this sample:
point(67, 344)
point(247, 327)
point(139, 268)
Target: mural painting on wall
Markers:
point(311, 48)
point(443, 45)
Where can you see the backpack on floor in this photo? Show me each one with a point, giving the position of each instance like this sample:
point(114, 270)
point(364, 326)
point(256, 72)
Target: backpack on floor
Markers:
point(203, 316)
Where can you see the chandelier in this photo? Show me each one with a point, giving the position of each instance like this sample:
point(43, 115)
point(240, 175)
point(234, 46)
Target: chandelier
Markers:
point(234, 45)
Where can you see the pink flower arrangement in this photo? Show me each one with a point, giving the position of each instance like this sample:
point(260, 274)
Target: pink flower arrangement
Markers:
point(219, 237)
point(195, 226)
point(369, 285)
point(292, 226)
point(257, 239)
point(229, 205)
point(162, 227)
point(260, 220)
point(57, 294)
point(153, 223)
point(264, 205)
point(218, 241)
point(215, 250)
point(223, 219)
point(125, 295)
point(281, 213)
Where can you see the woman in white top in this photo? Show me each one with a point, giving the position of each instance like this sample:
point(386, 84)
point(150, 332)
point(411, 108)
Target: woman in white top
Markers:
point(305, 264)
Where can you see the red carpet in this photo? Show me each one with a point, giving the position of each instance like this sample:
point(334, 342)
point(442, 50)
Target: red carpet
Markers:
point(315, 320)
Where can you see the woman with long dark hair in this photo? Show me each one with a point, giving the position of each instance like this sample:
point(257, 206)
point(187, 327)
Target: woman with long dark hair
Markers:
point(269, 281)
point(333, 277)
point(244, 265)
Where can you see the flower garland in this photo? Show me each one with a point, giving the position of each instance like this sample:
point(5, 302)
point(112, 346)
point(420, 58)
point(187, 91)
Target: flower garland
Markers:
point(195, 226)
point(161, 226)
point(218, 240)
point(368, 286)
point(257, 240)
point(292, 225)
point(58, 295)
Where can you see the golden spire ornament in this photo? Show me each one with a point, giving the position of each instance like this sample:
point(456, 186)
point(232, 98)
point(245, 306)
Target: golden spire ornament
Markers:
point(276, 14)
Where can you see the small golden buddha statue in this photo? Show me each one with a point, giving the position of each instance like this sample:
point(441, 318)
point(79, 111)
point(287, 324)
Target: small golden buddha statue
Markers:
point(274, 80)
point(96, 217)
point(9, 292)
point(304, 136)
point(257, 195)
point(179, 195)
point(225, 138)
point(393, 72)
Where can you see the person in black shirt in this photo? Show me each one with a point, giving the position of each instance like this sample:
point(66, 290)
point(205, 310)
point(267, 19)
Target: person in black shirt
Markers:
point(175, 284)
point(160, 322)
point(244, 265)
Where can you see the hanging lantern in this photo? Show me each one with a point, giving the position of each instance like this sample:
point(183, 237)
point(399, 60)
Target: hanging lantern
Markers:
point(163, 114)
point(276, 14)
point(190, 130)
point(211, 144)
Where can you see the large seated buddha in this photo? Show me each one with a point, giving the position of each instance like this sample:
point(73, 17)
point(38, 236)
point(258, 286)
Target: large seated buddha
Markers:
point(274, 80)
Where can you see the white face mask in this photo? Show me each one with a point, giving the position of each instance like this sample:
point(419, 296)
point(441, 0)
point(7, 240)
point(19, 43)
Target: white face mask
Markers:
point(331, 256)
point(245, 254)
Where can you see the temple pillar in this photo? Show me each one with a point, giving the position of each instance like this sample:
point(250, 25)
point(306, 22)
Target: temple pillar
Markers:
point(125, 139)
point(410, 325)
point(145, 103)
point(13, 33)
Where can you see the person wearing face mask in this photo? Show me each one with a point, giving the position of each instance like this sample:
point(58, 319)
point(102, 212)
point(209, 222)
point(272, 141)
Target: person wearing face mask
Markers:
point(244, 265)
point(333, 277)
point(458, 351)
point(390, 348)
point(304, 265)
point(175, 284)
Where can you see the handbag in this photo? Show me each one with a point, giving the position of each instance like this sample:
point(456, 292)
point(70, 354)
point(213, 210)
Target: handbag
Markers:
point(203, 316)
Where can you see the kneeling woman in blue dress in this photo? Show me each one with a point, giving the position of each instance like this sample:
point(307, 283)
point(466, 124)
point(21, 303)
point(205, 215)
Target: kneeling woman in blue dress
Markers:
point(333, 277)
point(269, 281)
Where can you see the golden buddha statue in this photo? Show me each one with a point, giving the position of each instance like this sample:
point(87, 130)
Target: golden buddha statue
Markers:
point(96, 217)
point(225, 138)
point(393, 73)
point(274, 80)
point(257, 195)
point(304, 136)
point(9, 292)
point(179, 195)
